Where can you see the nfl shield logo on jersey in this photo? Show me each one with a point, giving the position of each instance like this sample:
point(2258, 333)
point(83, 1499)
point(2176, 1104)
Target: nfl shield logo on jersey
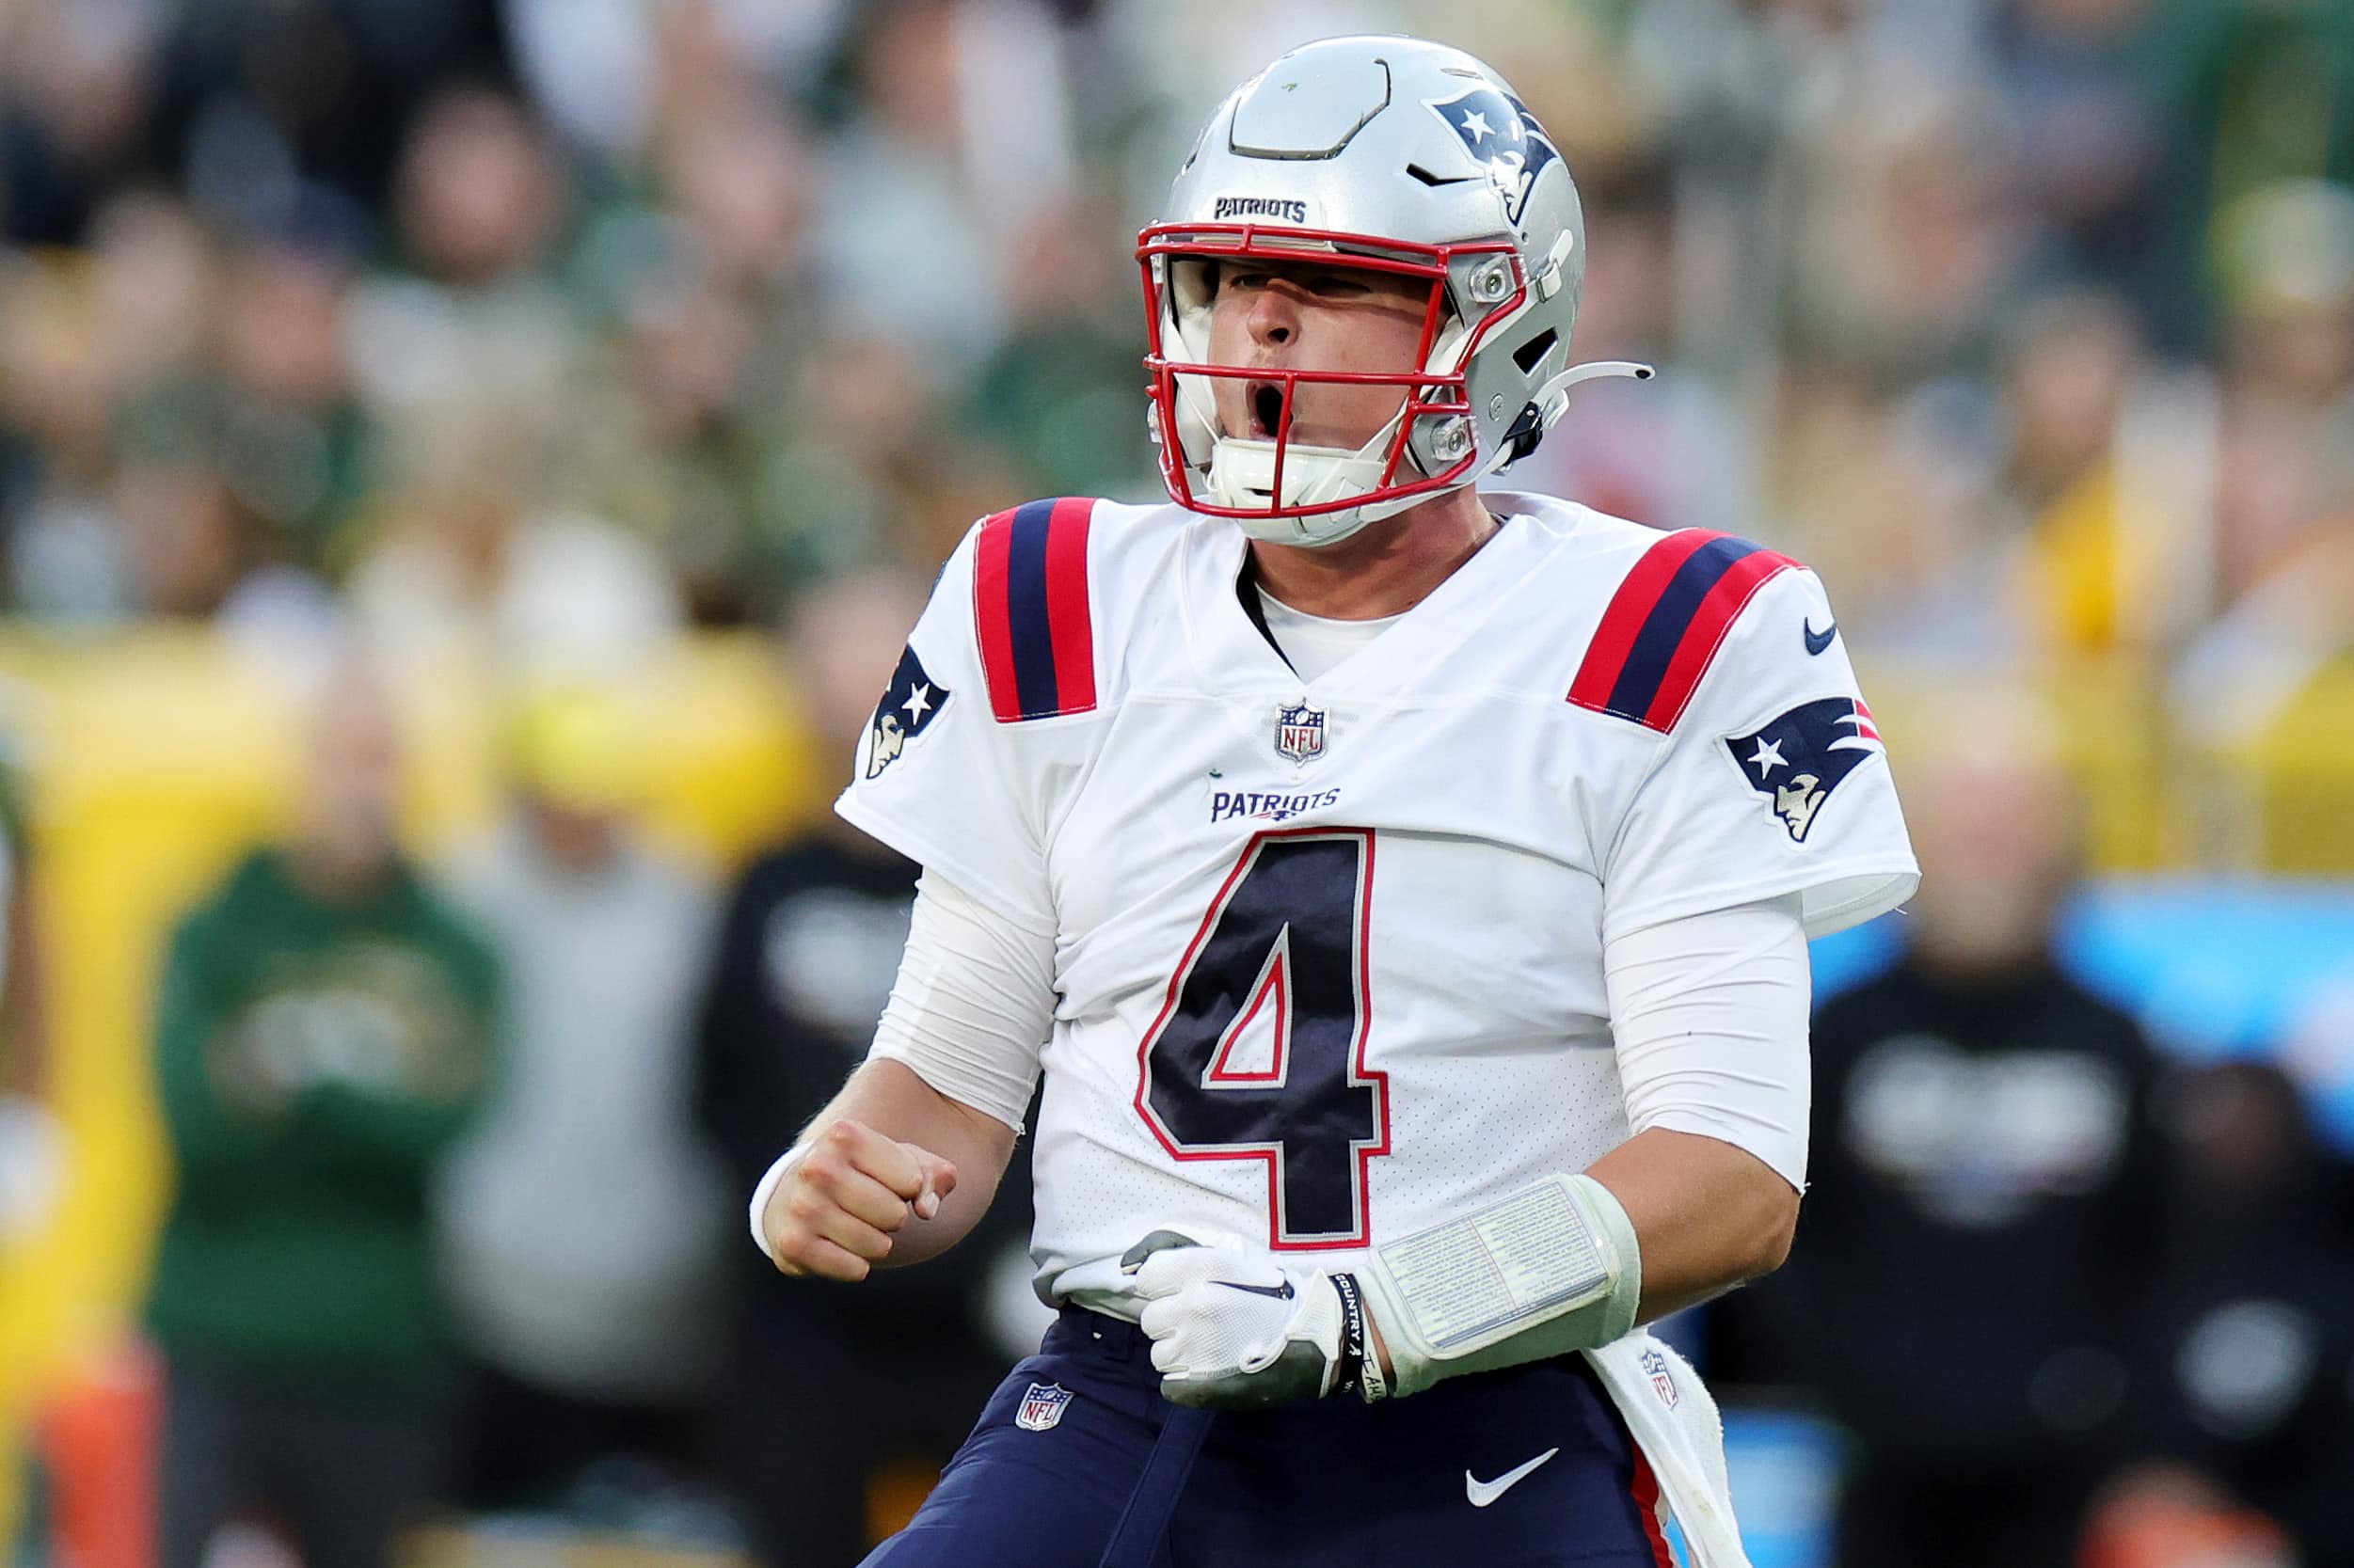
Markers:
point(1662, 1381)
point(1042, 1406)
point(1299, 733)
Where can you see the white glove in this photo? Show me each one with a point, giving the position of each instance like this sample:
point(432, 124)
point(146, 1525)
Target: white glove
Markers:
point(1235, 1328)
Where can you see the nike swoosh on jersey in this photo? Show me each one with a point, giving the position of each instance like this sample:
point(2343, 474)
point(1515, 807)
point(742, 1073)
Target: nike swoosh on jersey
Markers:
point(1280, 1293)
point(1482, 1493)
point(1818, 640)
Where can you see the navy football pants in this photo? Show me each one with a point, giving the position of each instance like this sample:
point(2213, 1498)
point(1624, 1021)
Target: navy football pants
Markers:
point(1332, 1484)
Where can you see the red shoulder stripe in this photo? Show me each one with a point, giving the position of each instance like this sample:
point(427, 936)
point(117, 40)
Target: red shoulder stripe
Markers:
point(1031, 613)
point(1628, 609)
point(1665, 622)
point(1067, 605)
point(993, 617)
point(1709, 627)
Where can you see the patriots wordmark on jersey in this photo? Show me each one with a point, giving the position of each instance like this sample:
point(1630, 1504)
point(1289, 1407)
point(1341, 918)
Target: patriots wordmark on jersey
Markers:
point(1329, 954)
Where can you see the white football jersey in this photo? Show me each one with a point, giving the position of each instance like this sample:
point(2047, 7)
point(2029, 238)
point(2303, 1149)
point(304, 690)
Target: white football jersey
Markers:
point(1329, 953)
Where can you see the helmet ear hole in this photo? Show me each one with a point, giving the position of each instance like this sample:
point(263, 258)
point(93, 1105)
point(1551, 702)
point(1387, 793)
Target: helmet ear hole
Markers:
point(1531, 354)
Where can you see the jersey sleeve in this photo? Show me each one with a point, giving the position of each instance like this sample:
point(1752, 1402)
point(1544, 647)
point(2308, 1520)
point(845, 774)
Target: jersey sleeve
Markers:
point(940, 776)
point(1771, 779)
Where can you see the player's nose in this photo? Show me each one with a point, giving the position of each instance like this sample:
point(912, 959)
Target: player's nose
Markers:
point(1275, 319)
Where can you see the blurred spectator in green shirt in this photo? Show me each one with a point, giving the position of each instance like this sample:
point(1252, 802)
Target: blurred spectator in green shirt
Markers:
point(323, 1031)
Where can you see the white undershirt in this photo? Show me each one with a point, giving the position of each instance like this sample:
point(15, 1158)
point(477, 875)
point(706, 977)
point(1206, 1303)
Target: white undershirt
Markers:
point(1709, 1014)
point(1314, 644)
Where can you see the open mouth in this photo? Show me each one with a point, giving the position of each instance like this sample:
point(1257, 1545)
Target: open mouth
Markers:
point(1266, 409)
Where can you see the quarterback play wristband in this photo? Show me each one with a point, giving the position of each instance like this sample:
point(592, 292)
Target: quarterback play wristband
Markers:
point(1551, 1268)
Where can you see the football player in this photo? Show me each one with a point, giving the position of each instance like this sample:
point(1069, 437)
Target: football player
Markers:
point(1403, 891)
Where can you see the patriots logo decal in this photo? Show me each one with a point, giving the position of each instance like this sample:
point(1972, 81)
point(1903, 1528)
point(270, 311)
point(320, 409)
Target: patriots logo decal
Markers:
point(907, 710)
point(1497, 130)
point(1799, 759)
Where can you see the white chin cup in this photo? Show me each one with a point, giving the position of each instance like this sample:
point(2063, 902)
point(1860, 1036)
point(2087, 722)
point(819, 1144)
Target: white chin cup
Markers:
point(1241, 475)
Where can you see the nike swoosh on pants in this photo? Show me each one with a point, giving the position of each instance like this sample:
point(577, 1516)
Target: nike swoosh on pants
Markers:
point(1482, 1493)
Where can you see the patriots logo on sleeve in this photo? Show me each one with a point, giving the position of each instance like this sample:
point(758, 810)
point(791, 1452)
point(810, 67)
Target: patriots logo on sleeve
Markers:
point(1501, 132)
point(907, 710)
point(1800, 758)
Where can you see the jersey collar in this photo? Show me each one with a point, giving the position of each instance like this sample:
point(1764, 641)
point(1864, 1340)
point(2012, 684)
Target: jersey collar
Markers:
point(1232, 652)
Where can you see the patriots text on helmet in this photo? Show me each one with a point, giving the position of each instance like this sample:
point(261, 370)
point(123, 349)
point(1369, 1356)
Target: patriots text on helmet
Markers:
point(1289, 209)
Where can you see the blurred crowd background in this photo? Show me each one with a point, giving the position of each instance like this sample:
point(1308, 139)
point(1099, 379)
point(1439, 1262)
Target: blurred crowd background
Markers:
point(466, 468)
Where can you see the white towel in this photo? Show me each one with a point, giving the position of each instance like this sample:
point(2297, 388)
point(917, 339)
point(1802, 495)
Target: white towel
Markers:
point(1674, 1422)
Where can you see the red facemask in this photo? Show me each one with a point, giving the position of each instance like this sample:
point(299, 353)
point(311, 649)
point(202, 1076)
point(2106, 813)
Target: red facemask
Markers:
point(1393, 468)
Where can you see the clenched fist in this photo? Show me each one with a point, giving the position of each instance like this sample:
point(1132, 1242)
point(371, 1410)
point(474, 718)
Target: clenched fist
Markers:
point(836, 1210)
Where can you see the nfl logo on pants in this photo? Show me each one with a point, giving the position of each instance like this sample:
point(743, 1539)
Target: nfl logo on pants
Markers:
point(1043, 1406)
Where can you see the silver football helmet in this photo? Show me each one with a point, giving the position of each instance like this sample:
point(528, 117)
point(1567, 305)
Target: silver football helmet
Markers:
point(1401, 156)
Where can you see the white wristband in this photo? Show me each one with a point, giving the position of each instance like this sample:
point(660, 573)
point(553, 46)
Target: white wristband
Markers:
point(1550, 1269)
point(770, 1180)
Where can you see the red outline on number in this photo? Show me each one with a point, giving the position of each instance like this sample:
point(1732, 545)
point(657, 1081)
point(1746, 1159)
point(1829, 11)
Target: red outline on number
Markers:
point(1271, 1154)
point(1279, 966)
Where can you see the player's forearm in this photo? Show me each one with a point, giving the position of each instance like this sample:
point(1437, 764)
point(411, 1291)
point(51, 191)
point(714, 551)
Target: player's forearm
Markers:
point(1707, 1215)
point(889, 1097)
